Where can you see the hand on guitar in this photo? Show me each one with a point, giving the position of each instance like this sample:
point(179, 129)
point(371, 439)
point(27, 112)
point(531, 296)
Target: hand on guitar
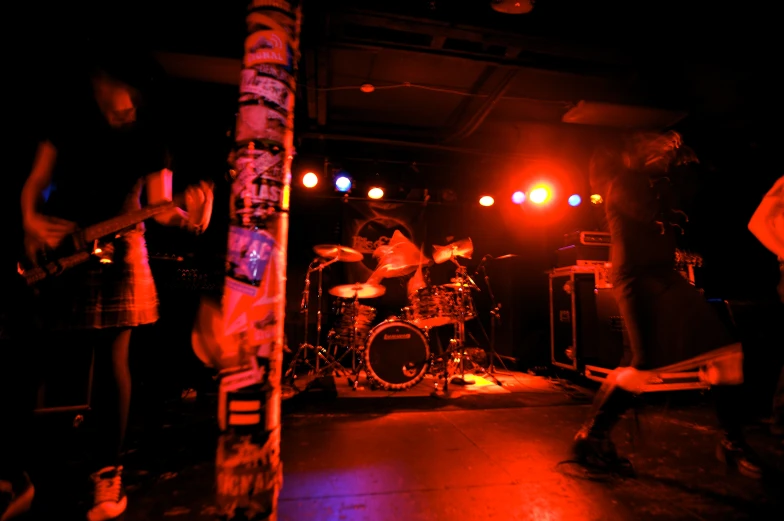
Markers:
point(42, 231)
point(198, 203)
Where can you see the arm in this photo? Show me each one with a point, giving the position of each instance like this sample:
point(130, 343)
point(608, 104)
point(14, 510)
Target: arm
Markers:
point(198, 201)
point(40, 177)
point(40, 229)
point(767, 223)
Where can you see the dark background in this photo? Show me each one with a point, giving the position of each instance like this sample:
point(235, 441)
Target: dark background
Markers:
point(706, 71)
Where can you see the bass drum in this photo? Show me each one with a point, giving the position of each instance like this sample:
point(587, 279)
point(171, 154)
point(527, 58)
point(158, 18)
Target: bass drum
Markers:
point(397, 355)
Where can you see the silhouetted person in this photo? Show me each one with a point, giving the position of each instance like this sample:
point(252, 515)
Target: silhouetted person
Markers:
point(667, 319)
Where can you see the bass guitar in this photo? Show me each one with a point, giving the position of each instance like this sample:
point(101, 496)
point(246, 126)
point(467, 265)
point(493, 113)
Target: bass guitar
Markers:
point(82, 244)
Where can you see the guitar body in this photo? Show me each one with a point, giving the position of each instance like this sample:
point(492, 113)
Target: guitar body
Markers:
point(40, 262)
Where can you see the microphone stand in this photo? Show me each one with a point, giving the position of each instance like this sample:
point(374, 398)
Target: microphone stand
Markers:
point(495, 317)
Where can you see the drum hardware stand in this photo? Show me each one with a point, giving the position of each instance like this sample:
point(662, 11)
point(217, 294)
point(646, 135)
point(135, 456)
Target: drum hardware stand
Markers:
point(495, 318)
point(457, 355)
point(316, 370)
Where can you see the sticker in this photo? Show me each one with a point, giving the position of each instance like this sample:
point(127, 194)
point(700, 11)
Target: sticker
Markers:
point(255, 163)
point(249, 475)
point(273, 20)
point(282, 5)
point(271, 71)
point(247, 257)
point(257, 122)
point(270, 90)
point(271, 45)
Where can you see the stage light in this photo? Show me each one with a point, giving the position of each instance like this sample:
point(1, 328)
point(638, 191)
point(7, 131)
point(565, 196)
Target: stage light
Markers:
point(343, 183)
point(518, 197)
point(597, 199)
point(375, 193)
point(309, 180)
point(486, 200)
point(575, 200)
point(539, 195)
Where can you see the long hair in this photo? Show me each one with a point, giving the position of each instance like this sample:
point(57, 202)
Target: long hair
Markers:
point(658, 152)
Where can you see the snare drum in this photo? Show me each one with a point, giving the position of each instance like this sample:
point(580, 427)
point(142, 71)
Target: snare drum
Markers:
point(432, 306)
point(397, 355)
point(343, 330)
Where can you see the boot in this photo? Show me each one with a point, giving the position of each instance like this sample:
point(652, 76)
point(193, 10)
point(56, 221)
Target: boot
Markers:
point(732, 449)
point(593, 447)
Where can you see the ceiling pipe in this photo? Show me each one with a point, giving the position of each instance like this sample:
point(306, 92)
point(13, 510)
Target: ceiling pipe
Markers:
point(413, 144)
point(475, 121)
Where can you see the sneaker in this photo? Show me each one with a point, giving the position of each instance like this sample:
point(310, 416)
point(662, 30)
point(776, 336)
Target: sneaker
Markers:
point(109, 500)
point(16, 497)
point(738, 455)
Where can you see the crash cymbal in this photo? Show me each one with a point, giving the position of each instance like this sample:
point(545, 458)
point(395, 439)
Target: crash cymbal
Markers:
point(336, 251)
point(462, 248)
point(358, 290)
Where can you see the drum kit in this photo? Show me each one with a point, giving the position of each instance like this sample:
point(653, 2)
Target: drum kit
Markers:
point(395, 354)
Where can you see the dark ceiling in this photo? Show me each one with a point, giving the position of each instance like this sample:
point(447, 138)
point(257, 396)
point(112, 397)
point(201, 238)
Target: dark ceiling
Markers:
point(459, 77)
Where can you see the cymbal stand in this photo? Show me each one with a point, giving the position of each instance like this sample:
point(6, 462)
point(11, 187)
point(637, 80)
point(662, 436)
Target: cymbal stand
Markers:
point(495, 318)
point(315, 265)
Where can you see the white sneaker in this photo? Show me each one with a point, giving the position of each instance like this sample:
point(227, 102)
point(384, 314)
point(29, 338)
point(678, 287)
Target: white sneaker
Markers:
point(109, 500)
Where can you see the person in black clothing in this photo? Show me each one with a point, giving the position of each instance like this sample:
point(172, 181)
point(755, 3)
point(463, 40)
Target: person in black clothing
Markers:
point(106, 168)
point(667, 319)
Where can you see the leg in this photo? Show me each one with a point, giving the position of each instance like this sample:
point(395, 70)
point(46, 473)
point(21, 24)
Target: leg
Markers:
point(110, 408)
point(112, 396)
point(593, 446)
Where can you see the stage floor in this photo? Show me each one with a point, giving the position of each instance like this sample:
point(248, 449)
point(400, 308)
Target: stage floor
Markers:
point(495, 452)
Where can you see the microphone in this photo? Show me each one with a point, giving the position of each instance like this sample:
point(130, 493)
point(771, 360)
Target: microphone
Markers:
point(482, 264)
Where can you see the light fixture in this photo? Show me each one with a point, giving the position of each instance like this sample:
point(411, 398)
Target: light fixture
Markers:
point(309, 180)
point(375, 193)
point(539, 195)
point(512, 6)
point(518, 197)
point(343, 183)
point(575, 200)
point(596, 199)
point(486, 200)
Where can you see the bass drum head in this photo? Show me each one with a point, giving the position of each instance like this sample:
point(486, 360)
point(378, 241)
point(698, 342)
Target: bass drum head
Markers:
point(397, 355)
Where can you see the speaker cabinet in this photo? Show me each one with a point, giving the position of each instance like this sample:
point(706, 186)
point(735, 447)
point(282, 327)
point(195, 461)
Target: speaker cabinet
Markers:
point(585, 325)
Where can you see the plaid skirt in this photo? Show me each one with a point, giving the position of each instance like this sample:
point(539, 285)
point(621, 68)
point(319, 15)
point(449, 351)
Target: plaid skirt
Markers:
point(99, 295)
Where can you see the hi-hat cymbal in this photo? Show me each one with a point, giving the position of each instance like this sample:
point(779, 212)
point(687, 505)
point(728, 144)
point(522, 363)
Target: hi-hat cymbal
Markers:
point(358, 290)
point(336, 251)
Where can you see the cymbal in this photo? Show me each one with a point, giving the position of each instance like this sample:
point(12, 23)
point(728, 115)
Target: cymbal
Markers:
point(456, 285)
point(462, 248)
point(358, 290)
point(336, 251)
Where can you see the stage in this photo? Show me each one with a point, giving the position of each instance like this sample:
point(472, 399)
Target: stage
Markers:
point(494, 452)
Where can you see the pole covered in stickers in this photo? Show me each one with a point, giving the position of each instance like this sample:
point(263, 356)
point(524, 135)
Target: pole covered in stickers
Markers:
point(248, 466)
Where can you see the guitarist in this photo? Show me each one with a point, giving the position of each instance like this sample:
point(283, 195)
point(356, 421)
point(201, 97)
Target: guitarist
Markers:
point(100, 171)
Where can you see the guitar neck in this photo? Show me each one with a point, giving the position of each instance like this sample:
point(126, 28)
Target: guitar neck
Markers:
point(121, 222)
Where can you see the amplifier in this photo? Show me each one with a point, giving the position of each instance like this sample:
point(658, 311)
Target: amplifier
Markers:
point(585, 325)
point(580, 254)
point(587, 238)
